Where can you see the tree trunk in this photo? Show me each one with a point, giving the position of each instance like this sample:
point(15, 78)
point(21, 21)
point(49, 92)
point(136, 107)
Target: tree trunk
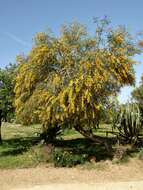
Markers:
point(49, 134)
point(97, 139)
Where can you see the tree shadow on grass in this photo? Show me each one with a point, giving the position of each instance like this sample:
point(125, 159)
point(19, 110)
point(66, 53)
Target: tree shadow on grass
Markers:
point(79, 146)
point(85, 146)
point(17, 146)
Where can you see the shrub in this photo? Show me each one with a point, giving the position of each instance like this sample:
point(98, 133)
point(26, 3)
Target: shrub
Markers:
point(121, 153)
point(64, 158)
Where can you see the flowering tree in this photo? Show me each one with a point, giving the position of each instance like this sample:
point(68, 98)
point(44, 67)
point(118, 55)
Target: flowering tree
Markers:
point(69, 79)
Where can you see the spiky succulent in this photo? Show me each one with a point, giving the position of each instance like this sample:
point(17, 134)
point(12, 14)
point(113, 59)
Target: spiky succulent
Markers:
point(128, 122)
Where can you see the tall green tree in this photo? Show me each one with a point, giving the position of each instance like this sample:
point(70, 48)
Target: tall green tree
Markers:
point(137, 94)
point(70, 78)
point(7, 78)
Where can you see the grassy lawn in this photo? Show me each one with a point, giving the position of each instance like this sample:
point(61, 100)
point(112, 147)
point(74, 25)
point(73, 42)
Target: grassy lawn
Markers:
point(21, 147)
point(16, 131)
point(103, 130)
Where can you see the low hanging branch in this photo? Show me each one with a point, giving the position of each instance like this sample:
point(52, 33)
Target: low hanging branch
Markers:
point(96, 139)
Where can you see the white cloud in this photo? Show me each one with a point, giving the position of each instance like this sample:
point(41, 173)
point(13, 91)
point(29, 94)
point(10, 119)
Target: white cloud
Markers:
point(17, 39)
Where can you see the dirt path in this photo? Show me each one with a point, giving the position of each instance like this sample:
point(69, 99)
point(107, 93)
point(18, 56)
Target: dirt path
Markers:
point(135, 185)
point(41, 176)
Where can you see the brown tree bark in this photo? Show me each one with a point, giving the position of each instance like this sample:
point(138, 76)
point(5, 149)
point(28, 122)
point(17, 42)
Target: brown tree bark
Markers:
point(97, 139)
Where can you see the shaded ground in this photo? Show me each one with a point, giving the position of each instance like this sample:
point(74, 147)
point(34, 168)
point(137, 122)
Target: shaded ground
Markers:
point(21, 147)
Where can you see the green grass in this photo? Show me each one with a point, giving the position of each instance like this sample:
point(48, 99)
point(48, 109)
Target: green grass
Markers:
point(14, 131)
point(103, 130)
point(70, 134)
point(21, 147)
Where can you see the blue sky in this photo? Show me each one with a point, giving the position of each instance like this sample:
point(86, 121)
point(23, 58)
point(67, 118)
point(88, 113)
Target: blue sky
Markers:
point(21, 19)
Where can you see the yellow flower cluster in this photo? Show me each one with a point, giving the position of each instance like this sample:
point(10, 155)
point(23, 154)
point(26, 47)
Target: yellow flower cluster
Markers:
point(69, 79)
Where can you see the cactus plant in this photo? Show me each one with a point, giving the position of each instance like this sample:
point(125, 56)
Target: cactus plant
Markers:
point(128, 122)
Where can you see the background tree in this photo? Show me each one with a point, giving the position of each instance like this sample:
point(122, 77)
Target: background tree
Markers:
point(69, 79)
point(137, 95)
point(7, 77)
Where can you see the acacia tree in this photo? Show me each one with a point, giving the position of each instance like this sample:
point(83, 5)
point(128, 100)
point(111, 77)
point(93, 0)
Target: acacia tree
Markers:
point(69, 79)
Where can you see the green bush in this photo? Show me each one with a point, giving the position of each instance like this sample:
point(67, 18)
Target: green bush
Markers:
point(64, 158)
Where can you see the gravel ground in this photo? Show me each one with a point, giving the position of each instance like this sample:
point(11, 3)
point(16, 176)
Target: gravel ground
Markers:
point(40, 177)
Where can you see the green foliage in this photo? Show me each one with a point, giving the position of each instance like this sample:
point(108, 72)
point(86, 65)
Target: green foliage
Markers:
point(63, 158)
point(128, 121)
point(7, 77)
point(107, 115)
point(137, 95)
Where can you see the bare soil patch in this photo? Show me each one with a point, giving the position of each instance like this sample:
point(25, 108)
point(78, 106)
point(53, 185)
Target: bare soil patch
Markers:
point(42, 175)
